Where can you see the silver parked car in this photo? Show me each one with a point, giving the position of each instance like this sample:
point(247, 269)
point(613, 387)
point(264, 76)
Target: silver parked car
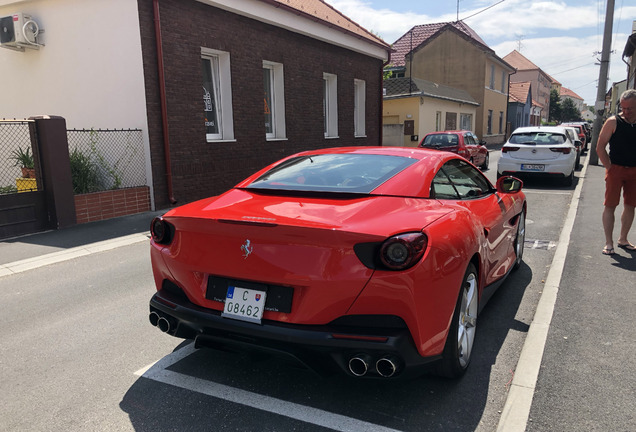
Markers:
point(539, 151)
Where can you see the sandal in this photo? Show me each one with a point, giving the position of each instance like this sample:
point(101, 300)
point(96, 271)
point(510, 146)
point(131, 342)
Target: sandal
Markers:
point(627, 246)
point(608, 250)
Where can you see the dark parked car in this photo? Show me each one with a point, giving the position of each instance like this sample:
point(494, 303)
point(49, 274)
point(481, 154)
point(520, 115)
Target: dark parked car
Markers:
point(463, 142)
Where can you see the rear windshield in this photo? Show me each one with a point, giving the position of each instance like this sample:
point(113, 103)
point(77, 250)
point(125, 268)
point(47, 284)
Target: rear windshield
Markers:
point(538, 138)
point(352, 173)
point(441, 140)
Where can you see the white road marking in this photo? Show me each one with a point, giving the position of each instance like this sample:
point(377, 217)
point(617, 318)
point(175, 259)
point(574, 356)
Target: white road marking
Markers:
point(157, 372)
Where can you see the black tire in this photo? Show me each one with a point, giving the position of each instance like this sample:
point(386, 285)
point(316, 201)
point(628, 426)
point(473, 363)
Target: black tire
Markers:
point(461, 335)
point(520, 239)
point(484, 167)
point(567, 181)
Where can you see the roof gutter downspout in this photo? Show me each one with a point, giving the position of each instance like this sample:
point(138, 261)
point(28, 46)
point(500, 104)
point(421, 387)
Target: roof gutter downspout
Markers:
point(381, 110)
point(162, 96)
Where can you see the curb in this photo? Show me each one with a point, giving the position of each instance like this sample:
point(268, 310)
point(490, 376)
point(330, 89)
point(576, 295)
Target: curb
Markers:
point(68, 254)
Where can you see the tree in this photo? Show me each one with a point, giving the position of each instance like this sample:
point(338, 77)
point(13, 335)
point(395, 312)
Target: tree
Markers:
point(555, 106)
point(569, 111)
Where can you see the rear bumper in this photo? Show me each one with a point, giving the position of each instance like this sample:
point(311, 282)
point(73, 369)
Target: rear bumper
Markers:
point(551, 168)
point(324, 349)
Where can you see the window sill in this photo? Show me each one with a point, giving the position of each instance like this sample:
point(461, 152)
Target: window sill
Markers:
point(277, 139)
point(222, 141)
point(332, 137)
point(360, 136)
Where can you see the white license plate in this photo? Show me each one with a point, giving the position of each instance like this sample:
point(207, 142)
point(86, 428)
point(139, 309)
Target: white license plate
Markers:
point(244, 304)
point(532, 167)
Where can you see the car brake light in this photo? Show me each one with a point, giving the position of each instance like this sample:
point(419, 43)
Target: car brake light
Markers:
point(403, 251)
point(509, 149)
point(161, 231)
point(462, 152)
point(564, 150)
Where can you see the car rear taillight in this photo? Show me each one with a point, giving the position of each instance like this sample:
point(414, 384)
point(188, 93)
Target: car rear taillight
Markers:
point(509, 149)
point(564, 150)
point(403, 251)
point(462, 152)
point(161, 231)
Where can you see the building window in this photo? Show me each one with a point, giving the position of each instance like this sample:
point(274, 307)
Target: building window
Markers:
point(466, 122)
point(503, 81)
point(489, 122)
point(217, 95)
point(492, 77)
point(500, 122)
point(274, 100)
point(330, 104)
point(438, 121)
point(359, 111)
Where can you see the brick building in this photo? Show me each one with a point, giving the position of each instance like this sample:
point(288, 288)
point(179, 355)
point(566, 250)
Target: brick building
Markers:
point(248, 82)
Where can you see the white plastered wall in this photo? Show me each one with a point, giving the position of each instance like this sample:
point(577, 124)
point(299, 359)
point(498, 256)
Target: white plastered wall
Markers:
point(90, 70)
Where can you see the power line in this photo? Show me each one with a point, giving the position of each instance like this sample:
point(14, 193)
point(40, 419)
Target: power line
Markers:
point(483, 10)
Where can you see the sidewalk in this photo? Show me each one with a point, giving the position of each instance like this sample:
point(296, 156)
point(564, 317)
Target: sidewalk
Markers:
point(576, 367)
point(34, 250)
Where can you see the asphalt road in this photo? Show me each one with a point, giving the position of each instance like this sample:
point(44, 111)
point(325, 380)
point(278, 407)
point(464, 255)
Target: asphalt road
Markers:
point(77, 353)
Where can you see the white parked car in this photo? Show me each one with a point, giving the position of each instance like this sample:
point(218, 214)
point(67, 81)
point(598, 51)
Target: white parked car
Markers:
point(539, 151)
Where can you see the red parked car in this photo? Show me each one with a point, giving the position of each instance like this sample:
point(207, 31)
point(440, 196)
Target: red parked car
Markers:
point(463, 142)
point(374, 261)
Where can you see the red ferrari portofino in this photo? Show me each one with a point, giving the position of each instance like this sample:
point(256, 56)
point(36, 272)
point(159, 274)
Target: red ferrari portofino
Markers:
point(370, 260)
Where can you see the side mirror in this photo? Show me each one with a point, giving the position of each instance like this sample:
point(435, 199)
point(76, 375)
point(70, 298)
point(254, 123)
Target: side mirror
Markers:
point(509, 185)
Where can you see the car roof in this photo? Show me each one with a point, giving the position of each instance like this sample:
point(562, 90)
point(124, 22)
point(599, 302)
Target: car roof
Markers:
point(552, 129)
point(459, 131)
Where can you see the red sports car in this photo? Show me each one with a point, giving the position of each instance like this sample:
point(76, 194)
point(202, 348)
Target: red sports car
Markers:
point(370, 260)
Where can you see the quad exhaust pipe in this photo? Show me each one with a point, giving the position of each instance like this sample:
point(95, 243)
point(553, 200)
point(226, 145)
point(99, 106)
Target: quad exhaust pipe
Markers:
point(162, 323)
point(386, 366)
point(359, 365)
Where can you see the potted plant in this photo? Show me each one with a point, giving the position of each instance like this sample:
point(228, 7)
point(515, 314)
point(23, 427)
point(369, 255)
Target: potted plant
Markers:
point(24, 159)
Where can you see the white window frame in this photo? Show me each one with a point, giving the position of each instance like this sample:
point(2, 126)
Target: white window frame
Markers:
point(359, 108)
point(223, 83)
point(330, 104)
point(277, 105)
point(438, 121)
point(466, 121)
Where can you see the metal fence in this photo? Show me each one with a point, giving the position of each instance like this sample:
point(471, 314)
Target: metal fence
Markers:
point(16, 153)
point(100, 159)
point(106, 159)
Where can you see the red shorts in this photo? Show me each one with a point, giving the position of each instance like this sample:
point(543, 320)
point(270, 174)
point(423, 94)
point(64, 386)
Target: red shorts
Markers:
point(616, 178)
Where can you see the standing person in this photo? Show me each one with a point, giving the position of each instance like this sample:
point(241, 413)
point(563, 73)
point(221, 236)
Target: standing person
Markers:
point(619, 132)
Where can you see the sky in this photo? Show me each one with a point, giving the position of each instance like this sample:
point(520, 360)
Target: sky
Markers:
point(564, 38)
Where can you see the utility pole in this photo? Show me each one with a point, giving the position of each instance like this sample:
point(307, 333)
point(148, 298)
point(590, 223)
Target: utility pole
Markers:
point(599, 107)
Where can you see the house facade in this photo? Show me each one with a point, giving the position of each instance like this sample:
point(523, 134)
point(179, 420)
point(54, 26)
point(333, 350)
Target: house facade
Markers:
point(220, 88)
point(566, 93)
point(541, 82)
point(414, 107)
point(520, 105)
point(454, 55)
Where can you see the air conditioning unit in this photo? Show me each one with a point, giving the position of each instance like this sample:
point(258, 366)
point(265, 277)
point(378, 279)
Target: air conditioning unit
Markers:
point(19, 31)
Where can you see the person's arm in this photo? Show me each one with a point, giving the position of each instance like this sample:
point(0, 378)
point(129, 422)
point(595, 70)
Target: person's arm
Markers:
point(604, 136)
